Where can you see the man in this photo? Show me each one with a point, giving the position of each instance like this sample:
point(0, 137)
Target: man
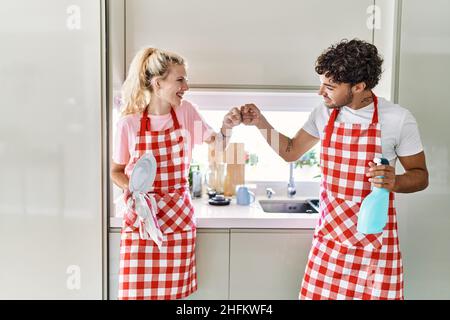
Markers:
point(354, 127)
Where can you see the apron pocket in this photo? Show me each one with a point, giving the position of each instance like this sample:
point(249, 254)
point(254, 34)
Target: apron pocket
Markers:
point(175, 212)
point(338, 223)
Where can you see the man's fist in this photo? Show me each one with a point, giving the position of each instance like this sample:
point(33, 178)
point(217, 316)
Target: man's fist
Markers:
point(250, 114)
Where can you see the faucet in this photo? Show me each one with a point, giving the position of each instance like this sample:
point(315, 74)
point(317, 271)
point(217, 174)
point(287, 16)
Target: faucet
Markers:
point(269, 193)
point(291, 191)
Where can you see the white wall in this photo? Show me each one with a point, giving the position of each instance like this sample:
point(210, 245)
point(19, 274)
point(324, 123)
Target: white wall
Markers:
point(50, 150)
point(385, 31)
point(424, 217)
point(251, 43)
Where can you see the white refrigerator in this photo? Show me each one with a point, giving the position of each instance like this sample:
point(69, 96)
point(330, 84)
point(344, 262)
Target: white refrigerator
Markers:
point(52, 150)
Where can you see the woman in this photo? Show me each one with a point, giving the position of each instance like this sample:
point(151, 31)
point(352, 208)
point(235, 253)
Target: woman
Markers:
point(157, 120)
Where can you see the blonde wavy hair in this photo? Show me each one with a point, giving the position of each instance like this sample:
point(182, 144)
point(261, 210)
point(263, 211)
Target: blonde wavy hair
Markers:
point(147, 64)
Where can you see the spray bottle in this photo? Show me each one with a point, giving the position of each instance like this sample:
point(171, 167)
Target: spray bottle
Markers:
point(373, 213)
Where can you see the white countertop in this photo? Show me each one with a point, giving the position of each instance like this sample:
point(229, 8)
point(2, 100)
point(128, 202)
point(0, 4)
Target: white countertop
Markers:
point(237, 216)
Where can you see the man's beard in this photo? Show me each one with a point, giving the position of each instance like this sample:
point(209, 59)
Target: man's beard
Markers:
point(348, 100)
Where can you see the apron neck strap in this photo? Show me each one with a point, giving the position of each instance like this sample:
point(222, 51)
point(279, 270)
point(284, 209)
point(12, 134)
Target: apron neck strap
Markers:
point(329, 127)
point(375, 109)
point(145, 121)
point(176, 124)
point(334, 114)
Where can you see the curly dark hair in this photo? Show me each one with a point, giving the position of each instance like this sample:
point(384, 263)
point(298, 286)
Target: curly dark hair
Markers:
point(351, 62)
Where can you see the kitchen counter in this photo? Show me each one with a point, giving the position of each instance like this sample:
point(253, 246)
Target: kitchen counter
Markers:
point(237, 216)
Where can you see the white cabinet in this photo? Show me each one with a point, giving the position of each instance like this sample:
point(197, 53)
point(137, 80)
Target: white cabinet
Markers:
point(212, 253)
point(213, 248)
point(239, 264)
point(268, 264)
point(113, 266)
point(247, 44)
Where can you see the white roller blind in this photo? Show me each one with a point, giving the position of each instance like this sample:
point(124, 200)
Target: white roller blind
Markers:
point(249, 43)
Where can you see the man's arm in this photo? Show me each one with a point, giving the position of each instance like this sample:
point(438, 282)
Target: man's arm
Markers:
point(414, 179)
point(290, 149)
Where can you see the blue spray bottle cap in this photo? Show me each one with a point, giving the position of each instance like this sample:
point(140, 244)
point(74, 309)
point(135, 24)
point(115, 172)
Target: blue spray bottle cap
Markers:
point(379, 161)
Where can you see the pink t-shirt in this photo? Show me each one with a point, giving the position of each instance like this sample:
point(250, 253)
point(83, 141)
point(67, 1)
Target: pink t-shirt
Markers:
point(188, 116)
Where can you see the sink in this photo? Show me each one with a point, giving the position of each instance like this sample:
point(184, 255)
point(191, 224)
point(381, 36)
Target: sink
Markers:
point(290, 206)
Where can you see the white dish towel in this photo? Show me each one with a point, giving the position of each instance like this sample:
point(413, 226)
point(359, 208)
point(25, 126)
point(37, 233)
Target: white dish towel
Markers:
point(141, 183)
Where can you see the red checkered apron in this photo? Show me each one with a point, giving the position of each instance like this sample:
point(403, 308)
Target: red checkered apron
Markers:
point(343, 263)
point(147, 272)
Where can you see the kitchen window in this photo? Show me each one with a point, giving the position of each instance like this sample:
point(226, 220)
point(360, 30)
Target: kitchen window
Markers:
point(287, 112)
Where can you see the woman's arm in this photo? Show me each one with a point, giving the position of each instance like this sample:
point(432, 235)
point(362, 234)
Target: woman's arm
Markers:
point(219, 141)
point(118, 175)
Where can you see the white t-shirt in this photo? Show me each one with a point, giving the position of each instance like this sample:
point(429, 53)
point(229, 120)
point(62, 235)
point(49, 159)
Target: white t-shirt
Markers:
point(399, 131)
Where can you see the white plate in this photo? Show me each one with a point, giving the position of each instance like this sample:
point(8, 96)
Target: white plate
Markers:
point(143, 174)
